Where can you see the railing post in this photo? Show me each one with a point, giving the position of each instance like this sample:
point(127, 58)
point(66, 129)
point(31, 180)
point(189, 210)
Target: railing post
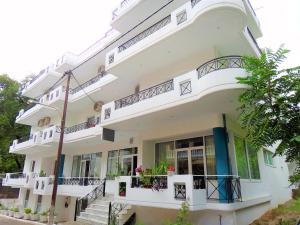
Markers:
point(76, 209)
point(109, 213)
point(104, 185)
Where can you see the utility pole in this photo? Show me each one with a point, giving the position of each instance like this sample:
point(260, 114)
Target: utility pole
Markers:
point(59, 150)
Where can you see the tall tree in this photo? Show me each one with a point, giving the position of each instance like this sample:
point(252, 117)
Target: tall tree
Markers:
point(270, 108)
point(11, 102)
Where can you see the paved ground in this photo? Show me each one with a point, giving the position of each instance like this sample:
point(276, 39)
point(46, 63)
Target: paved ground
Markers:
point(10, 221)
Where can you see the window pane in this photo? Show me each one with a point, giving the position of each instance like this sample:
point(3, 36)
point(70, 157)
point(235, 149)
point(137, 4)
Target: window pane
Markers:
point(190, 142)
point(182, 162)
point(76, 166)
point(253, 162)
point(164, 152)
point(268, 157)
point(241, 158)
point(197, 162)
point(210, 155)
point(112, 163)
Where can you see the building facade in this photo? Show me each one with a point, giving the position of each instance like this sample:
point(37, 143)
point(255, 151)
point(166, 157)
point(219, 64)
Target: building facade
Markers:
point(151, 122)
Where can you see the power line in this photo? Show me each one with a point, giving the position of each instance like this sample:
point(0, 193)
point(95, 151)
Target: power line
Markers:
point(110, 44)
point(83, 89)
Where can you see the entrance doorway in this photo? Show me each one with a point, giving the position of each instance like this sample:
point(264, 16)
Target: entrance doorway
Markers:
point(84, 172)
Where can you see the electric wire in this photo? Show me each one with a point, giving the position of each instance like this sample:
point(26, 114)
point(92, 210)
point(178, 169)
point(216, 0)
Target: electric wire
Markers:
point(78, 83)
point(103, 49)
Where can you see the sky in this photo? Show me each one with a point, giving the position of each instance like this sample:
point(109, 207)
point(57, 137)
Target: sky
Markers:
point(35, 33)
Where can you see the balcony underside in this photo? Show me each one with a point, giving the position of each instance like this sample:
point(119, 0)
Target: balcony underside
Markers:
point(217, 31)
point(72, 142)
point(197, 111)
point(137, 10)
point(41, 85)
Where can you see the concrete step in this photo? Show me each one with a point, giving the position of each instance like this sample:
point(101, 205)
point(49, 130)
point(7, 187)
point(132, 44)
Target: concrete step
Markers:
point(97, 211)
point(98, 206)
point(94, 216)
point(91, 221)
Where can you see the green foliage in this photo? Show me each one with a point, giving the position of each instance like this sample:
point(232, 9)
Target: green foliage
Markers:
point(182, 216)
point(270, 108)
point(11, 102)
point(42, 173)
point(44, 213)
point(27, 210)
point(15, 210)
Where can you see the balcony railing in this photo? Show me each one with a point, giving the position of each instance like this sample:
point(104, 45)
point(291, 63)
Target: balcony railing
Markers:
point(145, 94)
point(153, 182)
point(195, 2)
point(219, 64)
point(25, 138)
point(157, 26)
point(82, 181)
point(88, 83)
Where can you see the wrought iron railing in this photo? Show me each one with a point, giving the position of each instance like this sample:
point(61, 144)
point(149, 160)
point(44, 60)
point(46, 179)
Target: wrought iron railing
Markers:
point(88, 83)
point(17, 175)
point(195, 2)
point(224, 188)
point(153, 182)
point(82, 203)
point(115, 208)
point(82, 181)
point(81, 126)
point(25, 138)
point(145, 94)
point(157, 26)
point(219, 64)
point(254, 40)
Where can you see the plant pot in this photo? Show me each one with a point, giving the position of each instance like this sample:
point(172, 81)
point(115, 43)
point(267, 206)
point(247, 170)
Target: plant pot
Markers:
point(170, 173)
point(18, 215)
point(55, 219)
point(34, 217)
point(26, 216)
point(43, 219)
point(11, 213)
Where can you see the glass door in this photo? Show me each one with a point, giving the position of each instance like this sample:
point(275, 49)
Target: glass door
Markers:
point(127, 166)
point(183, 162)
point(84, 172)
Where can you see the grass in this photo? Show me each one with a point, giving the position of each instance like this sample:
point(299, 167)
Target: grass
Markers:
point(284, 214)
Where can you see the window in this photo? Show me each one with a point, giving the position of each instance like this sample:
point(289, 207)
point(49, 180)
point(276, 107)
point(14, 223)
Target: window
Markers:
point(39, 203)
point(32, 166)
point(246, 159)
point(164, 152)
point(26, 198)
point(117, 161)
point(210, 155)
point(76, 166)
point(95, 165)
point(253, 162)
point(268, 157)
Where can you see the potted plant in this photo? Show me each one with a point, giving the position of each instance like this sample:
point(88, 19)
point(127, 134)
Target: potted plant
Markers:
point(5, 211)
point(34, 216)
point(139, 170)
point(17, 213)
point(27, 212)
point(44, 217)
point(42, 173)
point(170, 170)
point(55, 217)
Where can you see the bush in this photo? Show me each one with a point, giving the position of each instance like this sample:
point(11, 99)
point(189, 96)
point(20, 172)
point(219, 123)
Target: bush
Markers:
point(181, 218)
point(27, 210)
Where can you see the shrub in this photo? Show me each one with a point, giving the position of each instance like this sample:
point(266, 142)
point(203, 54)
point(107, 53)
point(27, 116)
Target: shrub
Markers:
point(27, 210)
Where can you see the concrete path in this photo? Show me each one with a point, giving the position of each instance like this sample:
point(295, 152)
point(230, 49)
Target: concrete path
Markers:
point(5, 220)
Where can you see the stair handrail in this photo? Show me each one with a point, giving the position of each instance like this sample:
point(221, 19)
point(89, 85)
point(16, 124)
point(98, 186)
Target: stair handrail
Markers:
point(83, 202)
point(115, 208)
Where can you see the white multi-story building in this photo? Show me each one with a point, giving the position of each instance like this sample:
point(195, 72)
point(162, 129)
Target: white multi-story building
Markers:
point(160, 88)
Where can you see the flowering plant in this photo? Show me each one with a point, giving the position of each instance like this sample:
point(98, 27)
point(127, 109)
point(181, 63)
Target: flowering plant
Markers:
point(139, 169)
point(171, 168)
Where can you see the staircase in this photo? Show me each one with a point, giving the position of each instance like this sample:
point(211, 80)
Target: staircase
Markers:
point(98, 208)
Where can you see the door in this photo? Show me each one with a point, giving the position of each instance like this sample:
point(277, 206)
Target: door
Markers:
point(84, 172)
point(198, 167)
point(127, 166)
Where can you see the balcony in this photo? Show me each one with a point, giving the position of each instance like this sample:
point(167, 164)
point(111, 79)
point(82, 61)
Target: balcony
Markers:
point(19, 179)
point(172, 191)
point(214, 82)
point(41, 82)
point(54, 99)
point(46, 140)
point(224, 23)
point(66, 62)
point(67, 186)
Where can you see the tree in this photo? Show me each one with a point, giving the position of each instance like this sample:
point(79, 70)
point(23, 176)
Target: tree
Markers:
point(270, 108)
point(11, 102)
